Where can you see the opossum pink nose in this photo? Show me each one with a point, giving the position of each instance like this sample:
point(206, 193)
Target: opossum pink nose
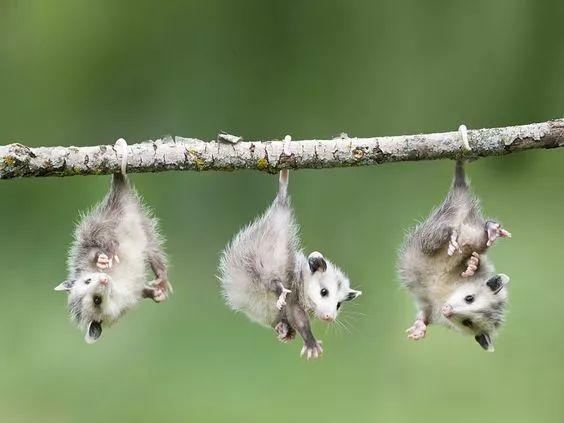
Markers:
point(104, 280)
point(327, 317)
point(447, 310)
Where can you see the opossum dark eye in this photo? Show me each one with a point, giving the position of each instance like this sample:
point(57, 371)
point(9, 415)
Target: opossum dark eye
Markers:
point(97, 300)
point(87, 281)
point(338, 306)
point(469, 299)
point(324, 292)
point(467, 323)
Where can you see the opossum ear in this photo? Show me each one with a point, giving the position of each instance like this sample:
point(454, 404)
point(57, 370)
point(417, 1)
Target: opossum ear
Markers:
point(497, 282)
point(317, 262)
point(64, 286)
point(352, 295)
point(485, 341)
point(93, 332)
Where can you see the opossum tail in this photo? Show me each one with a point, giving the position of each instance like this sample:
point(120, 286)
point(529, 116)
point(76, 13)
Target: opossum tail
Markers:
point(283, 184)
point(459, 175)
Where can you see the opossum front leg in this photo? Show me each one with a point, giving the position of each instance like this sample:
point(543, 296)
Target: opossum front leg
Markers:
point(299, 319)
point(494, 231)
point(419, 328)
point(159, 289)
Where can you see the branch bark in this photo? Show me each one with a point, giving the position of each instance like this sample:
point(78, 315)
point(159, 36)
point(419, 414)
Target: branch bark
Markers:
point(17, 160)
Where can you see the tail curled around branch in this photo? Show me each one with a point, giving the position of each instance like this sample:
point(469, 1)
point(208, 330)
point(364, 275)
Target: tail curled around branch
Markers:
point(284, 175)
point(120, 179)
point(459, 175)
point(121, 145)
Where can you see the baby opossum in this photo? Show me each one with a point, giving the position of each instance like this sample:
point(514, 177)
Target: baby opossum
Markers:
point(264, 274)
point(112, 246)
point(443, 265)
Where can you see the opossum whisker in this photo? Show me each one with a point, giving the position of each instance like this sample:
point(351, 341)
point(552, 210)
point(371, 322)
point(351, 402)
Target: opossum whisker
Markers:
point(351, 325)
point(342, 324)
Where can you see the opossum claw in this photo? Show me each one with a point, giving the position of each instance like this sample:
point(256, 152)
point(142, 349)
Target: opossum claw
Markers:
point(472, 265)
point(103, 262)
point(281, 302)
point(158, 290)
point(417, 331)
point(453, 243)
point(494, 231)
point(285, 332)
point(313, 351)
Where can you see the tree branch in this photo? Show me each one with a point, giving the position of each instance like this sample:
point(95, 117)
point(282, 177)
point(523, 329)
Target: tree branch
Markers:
point(17, 160)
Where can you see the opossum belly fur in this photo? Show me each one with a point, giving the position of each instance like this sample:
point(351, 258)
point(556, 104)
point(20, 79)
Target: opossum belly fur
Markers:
point(130, 273)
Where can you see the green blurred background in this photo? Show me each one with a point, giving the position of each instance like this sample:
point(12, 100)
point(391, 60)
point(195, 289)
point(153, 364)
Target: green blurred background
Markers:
point(82, 73)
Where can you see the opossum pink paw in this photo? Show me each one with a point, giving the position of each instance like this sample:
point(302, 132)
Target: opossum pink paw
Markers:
point(285, 333)
point(104, 262)
point(472, 265)
point(495, 231)
point(281, 302)
point(158, 290)
point(453, 245)
point(417, 331)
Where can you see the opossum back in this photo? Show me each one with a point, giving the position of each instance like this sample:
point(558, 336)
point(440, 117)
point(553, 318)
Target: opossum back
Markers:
point(410, 259)
point(262, 252)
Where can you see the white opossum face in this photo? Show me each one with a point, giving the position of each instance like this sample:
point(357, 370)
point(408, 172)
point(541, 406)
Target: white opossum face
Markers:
point(93, 300)
point(478, 308)
point(327, 287)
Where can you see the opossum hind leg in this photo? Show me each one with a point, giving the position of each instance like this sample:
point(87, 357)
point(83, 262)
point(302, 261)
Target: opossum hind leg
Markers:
point(279, 289)
point(159, 289)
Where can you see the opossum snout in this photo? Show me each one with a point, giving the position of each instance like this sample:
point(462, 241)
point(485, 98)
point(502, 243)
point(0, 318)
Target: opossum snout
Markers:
point(447, 311)
point(104, 280)
point(327, 317)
